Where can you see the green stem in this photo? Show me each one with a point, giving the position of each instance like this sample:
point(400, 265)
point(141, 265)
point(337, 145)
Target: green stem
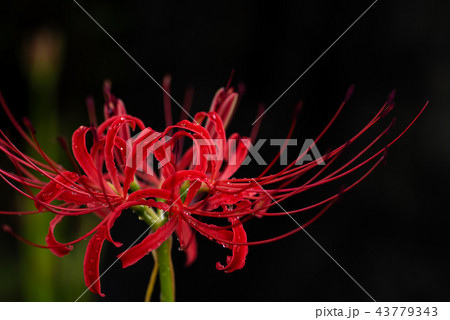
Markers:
point(163, 253)
point(166, 272)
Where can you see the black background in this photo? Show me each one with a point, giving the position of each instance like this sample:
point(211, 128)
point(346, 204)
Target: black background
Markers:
point(390, 233)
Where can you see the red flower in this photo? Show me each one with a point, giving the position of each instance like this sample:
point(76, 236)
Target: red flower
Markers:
point(184, 188)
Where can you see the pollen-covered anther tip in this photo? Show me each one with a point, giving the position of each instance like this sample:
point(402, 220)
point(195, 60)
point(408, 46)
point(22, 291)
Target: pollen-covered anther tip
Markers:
point(297, 109)
point(167, 80)
point(91, 110)
point(62, 142)
point(391, 97)
point(107, 90)
point(386, 110)
point(6, 228)
point(230, 79)
point(28, 124)
point(385, 154)
point(349, 92)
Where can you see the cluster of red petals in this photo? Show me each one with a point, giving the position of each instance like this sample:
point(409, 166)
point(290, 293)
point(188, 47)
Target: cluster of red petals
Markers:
point(189, 187)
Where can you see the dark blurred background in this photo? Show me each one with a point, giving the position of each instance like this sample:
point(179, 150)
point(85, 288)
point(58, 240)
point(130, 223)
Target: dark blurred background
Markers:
point(390, 233)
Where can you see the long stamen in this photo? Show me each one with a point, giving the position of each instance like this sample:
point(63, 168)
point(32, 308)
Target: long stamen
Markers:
point(167, 101)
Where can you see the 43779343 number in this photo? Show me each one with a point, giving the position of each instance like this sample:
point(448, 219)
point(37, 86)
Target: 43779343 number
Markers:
point(407, 311)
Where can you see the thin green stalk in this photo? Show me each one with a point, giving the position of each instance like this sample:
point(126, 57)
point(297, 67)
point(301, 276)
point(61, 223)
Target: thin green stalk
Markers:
point(166, 272)
point(163, 253)
point(152, 281)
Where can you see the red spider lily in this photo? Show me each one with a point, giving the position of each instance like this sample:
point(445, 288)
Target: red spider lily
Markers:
point(187, 187)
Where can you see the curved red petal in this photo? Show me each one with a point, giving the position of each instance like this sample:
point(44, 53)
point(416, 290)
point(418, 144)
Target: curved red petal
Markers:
point(207, 146)
point(92, 261)
point(110, 143)
point(150, 193)
point(107, 123)
point(192, 192)
point(136, 159)
point(224, 104)
point(82, 155)
point(237, 260)
point(179, 177)
point(238, 153)
point(150, 243)
point(53, 189)
point(56, 247)
point(188, 242)
point(212, 232)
